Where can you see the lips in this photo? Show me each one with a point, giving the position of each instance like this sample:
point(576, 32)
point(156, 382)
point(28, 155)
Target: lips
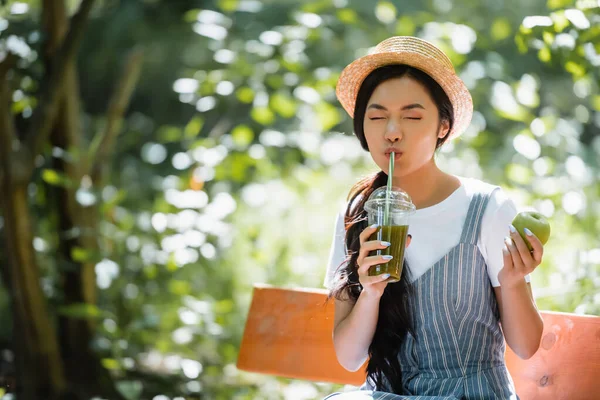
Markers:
point(398, 153)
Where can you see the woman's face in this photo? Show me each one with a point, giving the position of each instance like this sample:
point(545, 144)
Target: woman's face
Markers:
point(402, 115)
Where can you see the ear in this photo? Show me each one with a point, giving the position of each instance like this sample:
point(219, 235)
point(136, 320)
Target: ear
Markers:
point(444, 129)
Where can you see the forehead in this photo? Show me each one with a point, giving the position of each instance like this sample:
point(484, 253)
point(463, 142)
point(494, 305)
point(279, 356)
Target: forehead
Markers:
point(399, 91)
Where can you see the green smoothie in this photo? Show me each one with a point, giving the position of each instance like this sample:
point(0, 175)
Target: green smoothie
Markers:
point(396, 235)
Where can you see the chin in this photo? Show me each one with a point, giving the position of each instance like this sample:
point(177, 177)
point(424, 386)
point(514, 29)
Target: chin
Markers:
point(381, 163)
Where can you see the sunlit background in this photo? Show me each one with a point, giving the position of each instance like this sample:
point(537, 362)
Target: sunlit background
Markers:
point(235, 158)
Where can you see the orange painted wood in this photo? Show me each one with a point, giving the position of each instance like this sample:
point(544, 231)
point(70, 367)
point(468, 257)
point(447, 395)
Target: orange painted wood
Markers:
point(567, 364)
point(288, 333)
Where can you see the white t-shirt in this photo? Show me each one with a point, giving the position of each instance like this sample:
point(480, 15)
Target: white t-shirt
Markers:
point(437, 229)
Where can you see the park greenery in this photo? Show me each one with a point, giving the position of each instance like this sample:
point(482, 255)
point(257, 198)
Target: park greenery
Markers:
point(158, 158)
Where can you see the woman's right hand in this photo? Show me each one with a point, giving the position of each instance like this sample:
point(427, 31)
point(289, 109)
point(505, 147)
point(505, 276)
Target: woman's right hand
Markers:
point(372, 285)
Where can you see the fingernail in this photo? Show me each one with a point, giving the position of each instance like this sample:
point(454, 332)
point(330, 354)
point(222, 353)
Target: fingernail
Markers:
point(386, 244)
point(512, 228)
point(505, 251)
point(508, 241)
point(528, 232)
point(374, 226)
point(387, 257)
point(385, 276)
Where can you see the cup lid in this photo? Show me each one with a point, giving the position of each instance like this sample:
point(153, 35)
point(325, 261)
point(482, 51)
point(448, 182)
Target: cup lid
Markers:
point(399, 200)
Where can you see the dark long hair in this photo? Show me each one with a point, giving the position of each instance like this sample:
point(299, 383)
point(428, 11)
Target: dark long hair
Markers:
point(383, 368)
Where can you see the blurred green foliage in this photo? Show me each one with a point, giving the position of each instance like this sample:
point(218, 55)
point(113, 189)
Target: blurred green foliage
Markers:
point(235, 157)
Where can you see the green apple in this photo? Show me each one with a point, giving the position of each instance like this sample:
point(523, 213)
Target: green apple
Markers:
point(535, 222)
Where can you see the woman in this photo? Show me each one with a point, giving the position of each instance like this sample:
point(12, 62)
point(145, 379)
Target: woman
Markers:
point(437, 333)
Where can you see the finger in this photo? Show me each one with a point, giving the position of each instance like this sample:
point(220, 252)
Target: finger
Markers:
point(370, 246)
point(368, 262)
point(367, 232)
point(507, 258)
point(372, 280)
point(528, 261)
point(538, 247)
point(514, 254)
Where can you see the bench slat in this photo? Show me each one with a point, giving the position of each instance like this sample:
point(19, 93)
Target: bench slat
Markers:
point(288, 334)
point(567, 364)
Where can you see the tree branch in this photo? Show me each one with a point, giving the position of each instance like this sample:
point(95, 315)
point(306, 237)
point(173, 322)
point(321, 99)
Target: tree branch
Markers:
point(42, 120)
point(9, 141)
point(103, 143)
point(6, 64)
point(7, 133)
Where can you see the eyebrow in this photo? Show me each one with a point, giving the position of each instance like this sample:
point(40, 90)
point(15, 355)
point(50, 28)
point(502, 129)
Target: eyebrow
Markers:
point(405, 108)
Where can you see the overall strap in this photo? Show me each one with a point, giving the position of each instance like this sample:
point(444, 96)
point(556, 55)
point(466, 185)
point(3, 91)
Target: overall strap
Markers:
point(472, 225)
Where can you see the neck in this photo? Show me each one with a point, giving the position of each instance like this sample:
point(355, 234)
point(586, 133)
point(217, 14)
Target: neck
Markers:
point(427, 186)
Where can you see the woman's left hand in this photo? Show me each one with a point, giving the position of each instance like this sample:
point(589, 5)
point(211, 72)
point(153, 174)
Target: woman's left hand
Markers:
point(518, 260)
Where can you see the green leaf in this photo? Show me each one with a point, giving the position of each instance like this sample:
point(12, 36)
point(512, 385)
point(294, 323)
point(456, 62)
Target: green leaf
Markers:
point(275, 81)
point(521, 43)
point(577, 70)
point(328, 115)
point(228, 5)
point(555, 4)
point(596, 102)
point(347, 16)
point(111, 364)
point(179, 288)
point(191, 16)
point(242, 136)
point(55, 178)
point(283, 105)
point(81, 255)
point(224, 306)
point(238, 169)
point(405, 26)
point(245, 95)
point(171, 263)
point(151, 271)
point(163, 345)
point(544, 54)
point(500, 29)
point(263, 115)
point(561, 22)
point(81, 311)
point(169, 134)
point(520, 114)
point(193, 127)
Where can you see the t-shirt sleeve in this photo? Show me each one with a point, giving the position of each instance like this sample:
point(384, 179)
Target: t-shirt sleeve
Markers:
point(500, 212)
point(337, 253)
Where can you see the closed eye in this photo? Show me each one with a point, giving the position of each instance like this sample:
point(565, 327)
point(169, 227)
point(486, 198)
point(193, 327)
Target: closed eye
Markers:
point(375, 118)
point(417, 119)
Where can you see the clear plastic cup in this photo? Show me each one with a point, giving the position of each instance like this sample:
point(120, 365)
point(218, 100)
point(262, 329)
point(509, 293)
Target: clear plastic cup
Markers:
point(395, 231)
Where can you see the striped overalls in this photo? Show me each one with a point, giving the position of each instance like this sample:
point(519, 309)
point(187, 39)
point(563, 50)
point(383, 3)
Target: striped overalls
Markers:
point(457, 351)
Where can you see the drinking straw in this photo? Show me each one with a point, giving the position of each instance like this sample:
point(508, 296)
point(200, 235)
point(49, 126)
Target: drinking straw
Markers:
point(386, 214)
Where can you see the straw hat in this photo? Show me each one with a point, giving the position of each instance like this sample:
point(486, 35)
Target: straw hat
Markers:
point(416, 53)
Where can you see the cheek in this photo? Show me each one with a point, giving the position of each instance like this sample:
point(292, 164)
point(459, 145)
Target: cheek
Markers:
point(370, 130)
point(368, 126)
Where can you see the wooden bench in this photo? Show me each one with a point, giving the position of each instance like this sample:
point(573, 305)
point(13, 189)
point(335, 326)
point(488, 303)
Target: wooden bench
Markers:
point(288, 334)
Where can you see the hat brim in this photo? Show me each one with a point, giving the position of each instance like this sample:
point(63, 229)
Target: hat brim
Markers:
point(355, 73)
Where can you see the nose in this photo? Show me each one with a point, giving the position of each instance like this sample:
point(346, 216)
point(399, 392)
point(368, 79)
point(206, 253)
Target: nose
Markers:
point(393, 131)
